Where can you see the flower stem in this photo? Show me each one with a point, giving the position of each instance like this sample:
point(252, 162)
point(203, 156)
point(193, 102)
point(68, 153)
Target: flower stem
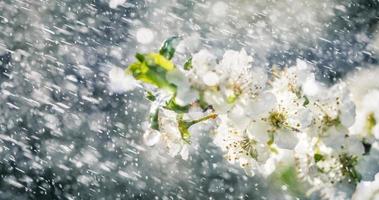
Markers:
point(211, 116)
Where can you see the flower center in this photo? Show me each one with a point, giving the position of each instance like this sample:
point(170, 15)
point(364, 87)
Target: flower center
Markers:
point(236, 92)
point(248, 145)
point(277, 119)
point(328, 121)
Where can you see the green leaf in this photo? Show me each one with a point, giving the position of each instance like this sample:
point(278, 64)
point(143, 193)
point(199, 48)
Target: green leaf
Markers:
point(150, 96)
point(288, 176)
point(306, 101)
point(172, 105)
point(152, 69)
point(188, 64)
point(318, 157)
point(157, 60)
point(183, 127)
point(167, 50)
point(154, 117)
point(203, 104)
point(140, 57)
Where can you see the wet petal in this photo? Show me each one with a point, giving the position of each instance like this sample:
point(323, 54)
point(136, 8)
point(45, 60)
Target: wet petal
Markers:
point(151, 137)
point(259, 131)
point(285, 139)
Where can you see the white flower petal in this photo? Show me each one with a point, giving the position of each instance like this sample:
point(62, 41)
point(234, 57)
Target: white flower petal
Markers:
point(238, 117)
point(262, 104)
point(178, 78)
point(334, 137)
point(174, 149)
point(151, 137)
point(202, 62)
point(263, 151)
point(376, 131)
point(367, 190)
point(285, 139)
point(347, 115)
point(184, 152)
point(259, 131)
point(120, 82)
point(311, 87)
point(186, 96)
point(234, 61)
point(354, 146)
point(217, 101)
point(211, 78)
point(301, 119)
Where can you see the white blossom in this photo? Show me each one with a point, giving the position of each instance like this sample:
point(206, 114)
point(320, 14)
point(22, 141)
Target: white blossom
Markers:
point(185, 93)
point(170, 134)
point(151, 137)
point(366, 124)
point(240, 147)
point(262, 120)
point(367, 189)
point(120, 82)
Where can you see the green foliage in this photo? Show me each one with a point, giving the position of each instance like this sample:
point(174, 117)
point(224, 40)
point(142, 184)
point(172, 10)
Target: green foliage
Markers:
point(183, 127)
point(318, 157)
point(188, 64)
point(203, 104)
point(150, 96)
point(154, 123)
point(167, 50)
point(288, 176)
point(172, 105)
point(306, 101)
point(152, 69)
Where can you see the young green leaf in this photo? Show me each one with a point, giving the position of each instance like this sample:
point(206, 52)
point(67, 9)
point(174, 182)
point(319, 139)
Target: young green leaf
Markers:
point(154, 117)
point(318, 157)
point(183, 127)
point(172, 105)
point(150, 96)
point(188, 64)
point(167, 50)
point(203, 104)
point(154, 59)
point(306, 101)
point(152, 69)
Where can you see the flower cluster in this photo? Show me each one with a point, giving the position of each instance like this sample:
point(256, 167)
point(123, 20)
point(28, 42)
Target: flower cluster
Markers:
point(255, 115)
